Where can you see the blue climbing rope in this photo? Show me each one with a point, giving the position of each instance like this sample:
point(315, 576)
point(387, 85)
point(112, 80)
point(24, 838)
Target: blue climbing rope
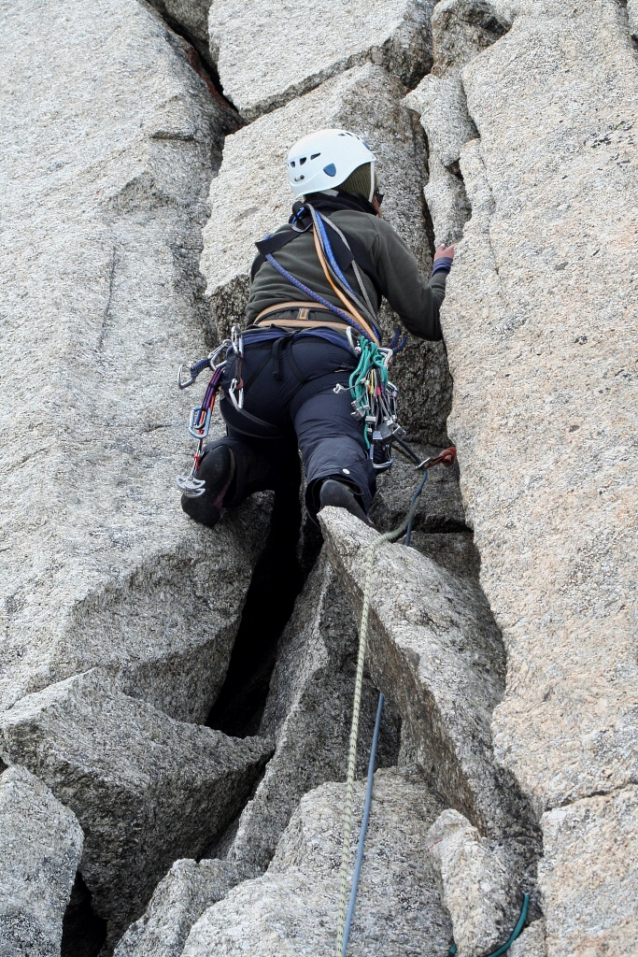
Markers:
point(364, 828)
point(371, 764)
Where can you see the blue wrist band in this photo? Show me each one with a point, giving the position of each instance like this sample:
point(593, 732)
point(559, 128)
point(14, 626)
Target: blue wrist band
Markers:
point(444, 264)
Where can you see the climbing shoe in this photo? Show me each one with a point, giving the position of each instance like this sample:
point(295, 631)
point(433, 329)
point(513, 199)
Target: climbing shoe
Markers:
point(341, 496)
point(217, 471)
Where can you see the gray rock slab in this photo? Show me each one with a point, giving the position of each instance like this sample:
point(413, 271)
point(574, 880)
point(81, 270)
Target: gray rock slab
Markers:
point(461, 30)
point(292, 909)
point(178, 901)
point(251, 197)
point(476, 887)
point(262, 66)
point(531, 943)
point(589, 876)
point(545, 400)
point(106, 165)
point(40, 849)
point(434, 649)
point(308, 713)
point(146, 789)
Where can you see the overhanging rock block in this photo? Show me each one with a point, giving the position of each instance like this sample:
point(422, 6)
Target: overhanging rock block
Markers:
point(292, 910)
point(178, 901)
point(110, 160)
point(251, 197)
point(263, 63)
point(435, 650)
point(476, 887)
point(307, 713)
point(146, 789)
point(40, 849)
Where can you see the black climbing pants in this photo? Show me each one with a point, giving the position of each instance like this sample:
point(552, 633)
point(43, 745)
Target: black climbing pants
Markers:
point(290, 404)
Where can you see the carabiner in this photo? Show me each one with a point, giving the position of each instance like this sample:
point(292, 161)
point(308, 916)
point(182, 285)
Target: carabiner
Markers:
point(199, 422)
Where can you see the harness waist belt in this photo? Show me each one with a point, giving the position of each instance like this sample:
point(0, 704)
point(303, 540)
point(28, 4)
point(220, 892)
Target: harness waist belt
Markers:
point(273, 316)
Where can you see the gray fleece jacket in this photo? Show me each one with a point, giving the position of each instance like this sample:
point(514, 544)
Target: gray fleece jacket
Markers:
point(416, 302)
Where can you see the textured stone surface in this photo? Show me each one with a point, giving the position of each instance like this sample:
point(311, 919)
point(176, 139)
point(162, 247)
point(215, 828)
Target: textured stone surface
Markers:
point(537, 327)
point(308, 712)
point(262, 67)
point(177, 903)
point(292, 910)
point(461, 29)
point(589, 876)
point(476, 887)
point(107, 160)
point(434, 649)
point(531, 943)
point(251, 197)
point(40, 849)
point(189, 15)
point(146, 789)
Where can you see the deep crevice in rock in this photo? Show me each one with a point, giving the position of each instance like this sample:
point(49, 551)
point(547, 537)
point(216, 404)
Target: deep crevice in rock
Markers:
point(199, 56)
point(83, 932)
point(277, 579)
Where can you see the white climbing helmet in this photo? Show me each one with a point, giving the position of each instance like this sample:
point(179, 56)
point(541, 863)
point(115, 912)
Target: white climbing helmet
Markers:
point(325, 159)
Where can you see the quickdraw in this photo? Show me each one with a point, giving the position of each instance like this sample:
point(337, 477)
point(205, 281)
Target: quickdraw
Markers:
point(199, 422)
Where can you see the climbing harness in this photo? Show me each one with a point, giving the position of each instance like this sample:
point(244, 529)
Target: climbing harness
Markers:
point(199, 423)
point(374, 397)
point(345, 911)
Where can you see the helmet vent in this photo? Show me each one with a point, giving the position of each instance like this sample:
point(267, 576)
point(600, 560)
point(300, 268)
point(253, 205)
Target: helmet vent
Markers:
point(302, 160)
point(315, 155)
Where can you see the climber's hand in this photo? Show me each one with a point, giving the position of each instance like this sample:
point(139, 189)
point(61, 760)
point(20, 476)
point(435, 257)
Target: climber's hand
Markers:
point(443, 250)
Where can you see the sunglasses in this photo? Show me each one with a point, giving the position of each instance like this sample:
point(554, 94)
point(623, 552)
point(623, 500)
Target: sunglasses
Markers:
point(378, 196)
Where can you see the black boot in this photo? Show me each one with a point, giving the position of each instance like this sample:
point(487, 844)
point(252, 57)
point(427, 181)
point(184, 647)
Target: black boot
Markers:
point(340, 495)
point(217, 469)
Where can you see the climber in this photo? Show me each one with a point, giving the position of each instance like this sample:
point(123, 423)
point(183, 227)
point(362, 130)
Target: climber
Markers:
point(285, 383)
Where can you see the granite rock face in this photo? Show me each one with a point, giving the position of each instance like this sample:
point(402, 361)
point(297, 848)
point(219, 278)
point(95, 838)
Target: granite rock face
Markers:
point(476, 887)
point(260, 73)
point(178, 901)
point(310, 693)
point(292, 909)
point(189, 15)
point(589, 876)
point(545, 403)
point(435, 650)
point(251, 197)
point(461, 29)
point(544, 419)
point(40, 849)
point(146, 789)
point(107, 161)
point(531, 942)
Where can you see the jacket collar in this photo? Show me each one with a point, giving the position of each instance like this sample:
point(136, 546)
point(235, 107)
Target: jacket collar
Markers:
point(328, 203)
